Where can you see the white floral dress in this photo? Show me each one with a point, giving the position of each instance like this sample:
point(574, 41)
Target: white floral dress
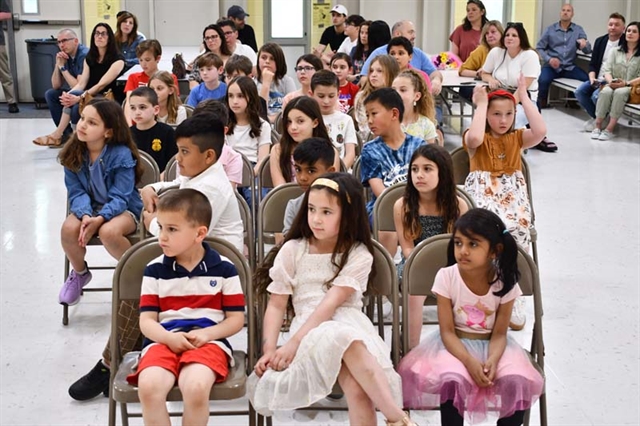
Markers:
point(317, 363)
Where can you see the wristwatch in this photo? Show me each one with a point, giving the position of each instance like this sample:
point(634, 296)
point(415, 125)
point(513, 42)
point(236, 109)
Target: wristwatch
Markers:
point(62, 68)
point(628, 84)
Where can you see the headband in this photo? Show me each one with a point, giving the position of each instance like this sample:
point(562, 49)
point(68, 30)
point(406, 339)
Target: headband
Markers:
point(502, 93)
point(329, 184)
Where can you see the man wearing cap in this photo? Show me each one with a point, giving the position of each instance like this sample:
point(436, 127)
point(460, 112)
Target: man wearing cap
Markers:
point(334, 35)
point(245, 31)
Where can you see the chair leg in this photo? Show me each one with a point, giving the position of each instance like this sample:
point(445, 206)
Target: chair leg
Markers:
point(527, 417)
point(125, 414)
point(270, 421)
point(252, 416)
point(65, 308)
point(112, 410)
point(543, 409)
point(380, 316)
point(534, 249)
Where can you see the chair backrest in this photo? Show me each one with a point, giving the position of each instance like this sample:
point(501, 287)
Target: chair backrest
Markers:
point(383, 208)
point(151, 173)
point(264, 176)
point(171, 170)
point(471, 204)
point(271, 212)
point(248, 177)
point(249, 234)
point(461, 165)
point(189, 110)
point(278, 123)
point(526, 172)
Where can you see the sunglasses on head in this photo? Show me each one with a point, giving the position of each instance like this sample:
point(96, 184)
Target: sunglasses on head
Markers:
point(514, 25)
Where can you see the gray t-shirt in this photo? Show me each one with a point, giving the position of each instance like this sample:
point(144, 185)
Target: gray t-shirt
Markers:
point(290, 213)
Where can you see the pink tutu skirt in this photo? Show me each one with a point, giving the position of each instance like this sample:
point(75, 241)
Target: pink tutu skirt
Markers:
point(432, 376)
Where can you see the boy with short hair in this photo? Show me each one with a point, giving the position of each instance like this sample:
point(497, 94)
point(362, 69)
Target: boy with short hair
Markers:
point(154, 138)
point(238, 65)
point(402, 51)
point(342, 66)
point(325, 89)
point(180, 347)
point(210, 66)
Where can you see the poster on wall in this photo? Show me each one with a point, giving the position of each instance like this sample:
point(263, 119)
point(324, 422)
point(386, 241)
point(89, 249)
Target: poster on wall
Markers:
point(320, 19)
point(95, 11)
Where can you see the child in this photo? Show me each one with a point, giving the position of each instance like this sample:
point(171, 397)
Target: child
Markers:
point(200, 139)
point(385, 160)
point(324, 265)
point(306, 66)
point(171, 109)
point(419, 108)
point(237, 66)
point(471, 364)
point(210, 66)
point(384, 70)
point(495, 179)
point(341, 66)
point(429, 206)
point(325, 90)
point(156, 139)
point(272, 79)
point(401, 49)
point(149, 53)
point(186, 321)
point(101, 169)
point(302, 120)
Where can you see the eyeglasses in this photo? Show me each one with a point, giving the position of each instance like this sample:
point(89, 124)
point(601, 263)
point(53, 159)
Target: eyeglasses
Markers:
point(228, 33)
point(211, 38)
point(305, 69)
point(100, 34)
point(514, 25)
point(64, 40)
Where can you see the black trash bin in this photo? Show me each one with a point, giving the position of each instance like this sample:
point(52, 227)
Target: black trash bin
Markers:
point(42, 61)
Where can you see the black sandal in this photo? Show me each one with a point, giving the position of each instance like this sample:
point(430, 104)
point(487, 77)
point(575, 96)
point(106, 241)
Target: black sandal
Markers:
point(546, 145)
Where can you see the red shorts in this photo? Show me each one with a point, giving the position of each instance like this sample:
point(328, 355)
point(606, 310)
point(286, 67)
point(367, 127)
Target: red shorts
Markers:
point(160, 355)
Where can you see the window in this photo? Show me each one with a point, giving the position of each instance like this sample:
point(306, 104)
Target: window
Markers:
point(30, 7)
point(287, 19)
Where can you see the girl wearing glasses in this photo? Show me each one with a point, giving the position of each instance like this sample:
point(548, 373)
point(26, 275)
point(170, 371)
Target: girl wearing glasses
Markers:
point(306, 67)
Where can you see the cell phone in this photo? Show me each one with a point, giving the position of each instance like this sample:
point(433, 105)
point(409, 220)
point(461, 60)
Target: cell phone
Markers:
point(616, 80)
point(468, 83)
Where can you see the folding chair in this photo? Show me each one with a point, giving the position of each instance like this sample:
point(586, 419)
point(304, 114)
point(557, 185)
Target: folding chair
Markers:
point(127, 282)
point(278, 124)
point(249, 234)
point(264, 178)
point(249, 181)
point(355, 171)
point(151, 174)
point(171, 170)
point(189, 110)
point(420, 271)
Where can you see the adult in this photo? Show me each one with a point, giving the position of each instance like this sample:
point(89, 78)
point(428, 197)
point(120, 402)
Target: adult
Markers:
point(102, 66)
point(69, 66)
point(490, 37)
point(127, 37)
point(352, 31)
point(360, 53)
point(334, 35)
point(466, 37)
point(212, 41)
point(245, 31)
point(234, 45)
point(557, 48)
point(621, 71)
point(587, 92)
point(5, 72)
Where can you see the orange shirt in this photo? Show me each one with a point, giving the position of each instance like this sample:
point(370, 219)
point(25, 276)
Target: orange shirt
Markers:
point(499, 155)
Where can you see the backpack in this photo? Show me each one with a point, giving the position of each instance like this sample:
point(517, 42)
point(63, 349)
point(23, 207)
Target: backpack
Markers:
point(179, 66)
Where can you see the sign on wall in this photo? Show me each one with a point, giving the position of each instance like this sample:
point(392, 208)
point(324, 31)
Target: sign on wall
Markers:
point(96, 11)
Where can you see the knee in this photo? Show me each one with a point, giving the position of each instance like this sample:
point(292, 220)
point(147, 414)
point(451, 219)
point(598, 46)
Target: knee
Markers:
point(195, 392)
point(149, 391)
point(70, 228)
point(110, 234)
point(51, 96)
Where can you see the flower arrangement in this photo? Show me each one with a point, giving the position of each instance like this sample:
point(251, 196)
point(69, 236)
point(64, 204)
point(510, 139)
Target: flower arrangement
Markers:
point(446, 61)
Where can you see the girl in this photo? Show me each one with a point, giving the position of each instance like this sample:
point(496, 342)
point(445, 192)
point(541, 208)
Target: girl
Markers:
point(272, 79)
point(302, 120)
point(213, 40)
point(171, 109)
point(324, 265)
point(306, 67)
point(101, 169)
point(127, 37)
point(360, 52)
point(419, 116)
point(382, 72)
point(471, 364)
point(465, 38)
point(430, 206)
point(248, 134)
point(102, 66)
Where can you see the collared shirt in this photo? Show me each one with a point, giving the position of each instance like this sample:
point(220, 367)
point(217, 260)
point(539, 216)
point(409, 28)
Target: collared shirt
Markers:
point(557, 42)
point(244, 50)
point(420, 60)
point(75, 65)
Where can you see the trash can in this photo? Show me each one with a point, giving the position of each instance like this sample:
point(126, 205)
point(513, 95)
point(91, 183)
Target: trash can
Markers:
point(42, 61)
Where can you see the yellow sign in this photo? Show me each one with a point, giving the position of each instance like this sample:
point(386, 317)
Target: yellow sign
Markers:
point(320, 20)
point(96, 11)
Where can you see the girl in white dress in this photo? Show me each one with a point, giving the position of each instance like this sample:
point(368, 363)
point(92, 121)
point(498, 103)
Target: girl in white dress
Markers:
point(324, 265)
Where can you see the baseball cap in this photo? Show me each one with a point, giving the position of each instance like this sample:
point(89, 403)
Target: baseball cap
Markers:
point(338, 8)
point(237, 12)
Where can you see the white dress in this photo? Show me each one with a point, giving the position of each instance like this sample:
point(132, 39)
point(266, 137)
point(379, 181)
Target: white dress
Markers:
point(316, 365)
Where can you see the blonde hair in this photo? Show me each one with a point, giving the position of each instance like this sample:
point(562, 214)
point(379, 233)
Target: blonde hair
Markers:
point(485, 30)
point(173, 100)
point(425, 105)
point(390, 67)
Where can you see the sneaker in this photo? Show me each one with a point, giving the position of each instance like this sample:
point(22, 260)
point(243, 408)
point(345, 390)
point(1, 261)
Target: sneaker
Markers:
point(72, 288)
point(595, 134)
point(518, 316)
point(589, 125)
point(605, 135)
point(91, 384)
point(13, 108)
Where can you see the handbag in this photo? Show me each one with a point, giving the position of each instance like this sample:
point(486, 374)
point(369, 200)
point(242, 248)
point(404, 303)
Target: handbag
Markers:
point(84, 101)
point(634, 95)
point(179, 66)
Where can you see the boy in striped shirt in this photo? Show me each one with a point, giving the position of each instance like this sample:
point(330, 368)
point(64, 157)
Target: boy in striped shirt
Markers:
point(191, 302)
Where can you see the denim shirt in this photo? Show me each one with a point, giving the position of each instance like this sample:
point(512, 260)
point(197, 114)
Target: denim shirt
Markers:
point(558, 43)
point(75, 66)
point(118, 170)
point(129, 52)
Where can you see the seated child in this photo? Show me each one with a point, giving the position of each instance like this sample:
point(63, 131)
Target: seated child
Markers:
point(171, 109)
point(341, 66)
point(186, 336)
point(154, 138)
point(419, 118)
point(210, 66)
point(238, 65)
point(325, 90)
point(402, 51)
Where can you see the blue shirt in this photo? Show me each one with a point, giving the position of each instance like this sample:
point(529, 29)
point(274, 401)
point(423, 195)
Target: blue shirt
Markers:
point(75, 65)
point(129, 52)
point(378, 160)
point(99, 192)
point(200, 93)
point(558, 43)
point(419, 60)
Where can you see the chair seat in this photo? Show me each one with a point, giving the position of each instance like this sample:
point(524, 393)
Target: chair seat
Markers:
point(232, 388)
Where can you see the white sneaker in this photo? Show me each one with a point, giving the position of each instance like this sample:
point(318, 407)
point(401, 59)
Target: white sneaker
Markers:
point(605, 135)
point(518, 316)
point(589, 125)
point(595, 134)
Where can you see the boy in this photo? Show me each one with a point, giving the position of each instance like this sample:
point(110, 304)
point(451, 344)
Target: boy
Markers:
point(385, 160)
point(149, 53)
point(312, 158)
point(210, 66)
point(190, 303)
point(342, 67)
point(324, 89)
point(154, 138)
point(402, 51)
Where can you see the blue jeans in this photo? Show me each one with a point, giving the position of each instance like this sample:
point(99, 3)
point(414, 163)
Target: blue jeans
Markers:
point(52, 96)
point(548, 74)
point(587, 96)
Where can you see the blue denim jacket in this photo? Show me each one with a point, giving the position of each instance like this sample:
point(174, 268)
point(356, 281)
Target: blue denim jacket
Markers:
point(118, 169)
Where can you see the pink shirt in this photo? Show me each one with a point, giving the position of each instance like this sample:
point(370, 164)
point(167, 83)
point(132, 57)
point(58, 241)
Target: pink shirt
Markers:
point(232, 164)
point(424, 75)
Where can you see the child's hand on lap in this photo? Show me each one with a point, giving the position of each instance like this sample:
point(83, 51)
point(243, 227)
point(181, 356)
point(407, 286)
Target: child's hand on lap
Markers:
point(477, 372)
point(263, 363)
point(480, 95)
point(88, 228)
point(284, 355)
point(198, 337)
point(490, 369)
point(178, 342)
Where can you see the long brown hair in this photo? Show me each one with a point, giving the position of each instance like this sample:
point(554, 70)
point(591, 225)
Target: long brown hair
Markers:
point(425, 105)
point(173, 100)
point(134, 31)
point(73, 154)
point(250, 92)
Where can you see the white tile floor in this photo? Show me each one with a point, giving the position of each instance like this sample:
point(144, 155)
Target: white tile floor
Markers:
point(587, 200)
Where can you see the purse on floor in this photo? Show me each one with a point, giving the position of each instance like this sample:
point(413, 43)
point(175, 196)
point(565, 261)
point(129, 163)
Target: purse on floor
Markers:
point(634, 96)
point(87, 98)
